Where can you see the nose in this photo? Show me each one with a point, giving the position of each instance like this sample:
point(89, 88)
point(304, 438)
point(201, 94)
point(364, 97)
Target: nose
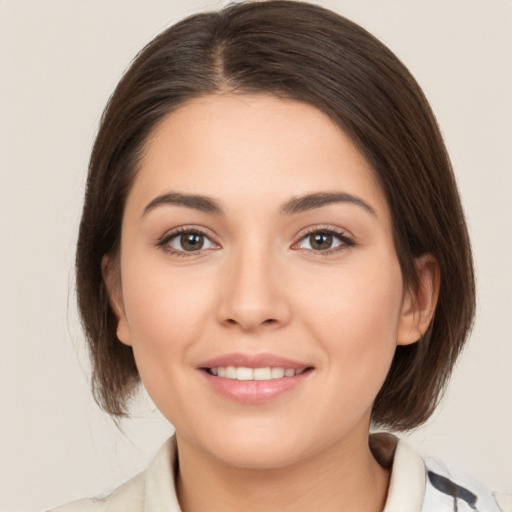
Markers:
point(253, 293)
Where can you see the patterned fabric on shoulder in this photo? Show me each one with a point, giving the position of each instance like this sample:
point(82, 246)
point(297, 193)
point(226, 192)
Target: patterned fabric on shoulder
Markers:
point(447, 491)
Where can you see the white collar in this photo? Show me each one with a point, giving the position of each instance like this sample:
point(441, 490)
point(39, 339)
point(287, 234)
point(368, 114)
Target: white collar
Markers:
point(408, 477)
point(160, 489)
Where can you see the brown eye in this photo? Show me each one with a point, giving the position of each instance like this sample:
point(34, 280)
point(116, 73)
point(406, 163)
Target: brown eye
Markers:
point(324, 240)
point(191, 241)
point(188, 241)
point(321, 241)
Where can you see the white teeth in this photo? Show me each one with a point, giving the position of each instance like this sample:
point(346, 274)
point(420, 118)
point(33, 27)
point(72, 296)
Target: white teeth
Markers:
point(244, 373)
point(262, 373)
point(231, 372)
point(277, 373)
point(265, 373)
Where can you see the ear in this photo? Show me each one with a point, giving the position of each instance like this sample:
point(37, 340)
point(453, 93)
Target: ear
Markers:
point(112, 279)
point(419, 304)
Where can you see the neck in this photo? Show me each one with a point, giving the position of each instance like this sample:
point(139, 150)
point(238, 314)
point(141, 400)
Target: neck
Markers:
point(342, 477)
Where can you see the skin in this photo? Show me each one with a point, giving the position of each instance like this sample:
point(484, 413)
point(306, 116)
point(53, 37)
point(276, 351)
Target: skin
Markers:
point(259, 286)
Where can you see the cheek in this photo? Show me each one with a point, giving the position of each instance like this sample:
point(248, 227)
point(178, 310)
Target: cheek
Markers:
point(166, 311)
point(354, 313)
point(161, 300)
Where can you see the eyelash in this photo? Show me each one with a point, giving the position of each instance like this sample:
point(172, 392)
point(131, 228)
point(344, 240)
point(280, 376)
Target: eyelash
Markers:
point(340, 235)
point(164, 242)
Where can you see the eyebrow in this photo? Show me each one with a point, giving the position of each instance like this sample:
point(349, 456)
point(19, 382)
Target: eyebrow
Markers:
point(197, 202)
point(317, 200)
point(291, 207)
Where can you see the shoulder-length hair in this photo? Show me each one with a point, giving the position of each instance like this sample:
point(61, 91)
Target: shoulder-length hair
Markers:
point(304, 52)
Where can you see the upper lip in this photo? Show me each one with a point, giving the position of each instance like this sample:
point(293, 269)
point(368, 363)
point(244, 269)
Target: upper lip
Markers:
point(239, 359)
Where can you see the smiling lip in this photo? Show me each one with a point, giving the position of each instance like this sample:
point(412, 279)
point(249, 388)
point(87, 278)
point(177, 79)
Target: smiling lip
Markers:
point(254, 391)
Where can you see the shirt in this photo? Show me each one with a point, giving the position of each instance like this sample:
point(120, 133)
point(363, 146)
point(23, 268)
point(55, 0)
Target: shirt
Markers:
point(416, 485)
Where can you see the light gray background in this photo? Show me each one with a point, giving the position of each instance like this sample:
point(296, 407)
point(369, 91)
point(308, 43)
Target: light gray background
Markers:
point(59, 62)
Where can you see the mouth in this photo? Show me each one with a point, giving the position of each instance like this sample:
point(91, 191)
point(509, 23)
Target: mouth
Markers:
point(263, 373)
point(254, 379)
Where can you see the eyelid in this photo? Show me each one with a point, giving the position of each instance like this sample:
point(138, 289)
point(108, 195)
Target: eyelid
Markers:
point(164, 240)
point(346, 239)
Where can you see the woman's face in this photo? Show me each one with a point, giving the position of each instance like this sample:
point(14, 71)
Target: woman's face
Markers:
point(260, 288)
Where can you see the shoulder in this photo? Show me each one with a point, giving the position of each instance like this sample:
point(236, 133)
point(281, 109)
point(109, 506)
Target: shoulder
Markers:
point(129, 497)
point(450, 487)
point(504, 501)
point(429, 485)
point(152, 489)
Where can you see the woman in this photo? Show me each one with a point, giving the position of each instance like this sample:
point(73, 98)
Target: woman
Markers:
point(273, 242)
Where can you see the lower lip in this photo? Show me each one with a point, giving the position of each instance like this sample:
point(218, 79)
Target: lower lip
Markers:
point(254, 391)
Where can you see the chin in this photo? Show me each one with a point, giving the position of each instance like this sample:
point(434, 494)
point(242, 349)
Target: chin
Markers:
point(257, 455)
point(259, 446)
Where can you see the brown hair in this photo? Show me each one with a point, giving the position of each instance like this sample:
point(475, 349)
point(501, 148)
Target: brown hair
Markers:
point(304, 52)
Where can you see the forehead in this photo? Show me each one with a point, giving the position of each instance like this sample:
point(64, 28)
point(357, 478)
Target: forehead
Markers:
point(241, 148)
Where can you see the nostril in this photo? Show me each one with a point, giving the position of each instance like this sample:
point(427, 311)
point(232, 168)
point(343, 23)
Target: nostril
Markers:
point(268, 321)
